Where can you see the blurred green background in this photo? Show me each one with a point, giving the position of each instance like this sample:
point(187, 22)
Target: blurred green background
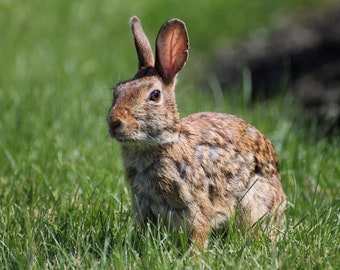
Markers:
point(58, 167)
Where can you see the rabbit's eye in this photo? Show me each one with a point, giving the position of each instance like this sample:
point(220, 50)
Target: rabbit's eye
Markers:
point(155, 95)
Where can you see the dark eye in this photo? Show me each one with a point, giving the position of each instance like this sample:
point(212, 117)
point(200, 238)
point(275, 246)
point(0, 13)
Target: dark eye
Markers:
point(155, 95)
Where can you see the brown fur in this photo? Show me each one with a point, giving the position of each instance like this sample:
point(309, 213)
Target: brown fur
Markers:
point(199, 171)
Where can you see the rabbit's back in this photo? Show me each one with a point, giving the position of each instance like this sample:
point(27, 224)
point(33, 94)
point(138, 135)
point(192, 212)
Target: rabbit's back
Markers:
point(230, 164)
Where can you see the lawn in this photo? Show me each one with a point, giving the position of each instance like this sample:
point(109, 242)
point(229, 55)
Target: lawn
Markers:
point(64, 203)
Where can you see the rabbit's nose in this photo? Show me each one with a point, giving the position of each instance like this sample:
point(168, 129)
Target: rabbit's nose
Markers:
point(114, 126)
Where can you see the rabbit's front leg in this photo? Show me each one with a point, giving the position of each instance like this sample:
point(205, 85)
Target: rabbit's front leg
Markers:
point(141, 209)
point(198, 237)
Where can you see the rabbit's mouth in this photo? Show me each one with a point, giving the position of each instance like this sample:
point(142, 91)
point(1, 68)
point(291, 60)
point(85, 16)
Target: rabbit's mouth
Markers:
point(116, 131)
point(118, 136)
point(123, 139)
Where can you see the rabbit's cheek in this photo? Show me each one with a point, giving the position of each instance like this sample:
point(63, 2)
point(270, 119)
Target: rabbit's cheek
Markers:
point(132, 129)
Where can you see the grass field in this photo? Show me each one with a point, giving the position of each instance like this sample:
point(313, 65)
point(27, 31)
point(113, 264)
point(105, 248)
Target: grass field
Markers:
point(64, 203)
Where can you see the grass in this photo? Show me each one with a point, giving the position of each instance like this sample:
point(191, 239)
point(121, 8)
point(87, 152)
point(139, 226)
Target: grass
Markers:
point(64, 202)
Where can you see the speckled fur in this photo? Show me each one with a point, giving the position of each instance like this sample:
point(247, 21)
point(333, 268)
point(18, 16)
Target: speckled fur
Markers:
point(199, 171)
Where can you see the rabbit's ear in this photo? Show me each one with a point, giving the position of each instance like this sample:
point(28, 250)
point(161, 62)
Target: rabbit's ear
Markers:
point(143, 48)
point(171, 49)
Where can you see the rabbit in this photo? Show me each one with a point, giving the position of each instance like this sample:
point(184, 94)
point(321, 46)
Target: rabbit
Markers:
point(198, 172)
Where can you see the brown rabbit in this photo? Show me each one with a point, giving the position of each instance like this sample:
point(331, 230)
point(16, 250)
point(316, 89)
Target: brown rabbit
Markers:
point(197, 172)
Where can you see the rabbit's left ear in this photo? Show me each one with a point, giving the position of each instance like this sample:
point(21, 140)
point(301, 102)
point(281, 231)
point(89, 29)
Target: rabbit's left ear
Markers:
point(172, 46)
point(142, 44)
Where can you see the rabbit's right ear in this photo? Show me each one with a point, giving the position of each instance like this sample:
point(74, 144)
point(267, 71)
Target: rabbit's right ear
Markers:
point(171, 49)
point(144, 51)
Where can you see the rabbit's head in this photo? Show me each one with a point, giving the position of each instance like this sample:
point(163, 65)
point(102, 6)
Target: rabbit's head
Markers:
point(144, 110)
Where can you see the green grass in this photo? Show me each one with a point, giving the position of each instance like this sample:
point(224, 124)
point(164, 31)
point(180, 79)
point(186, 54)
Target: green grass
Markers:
point(64, 202)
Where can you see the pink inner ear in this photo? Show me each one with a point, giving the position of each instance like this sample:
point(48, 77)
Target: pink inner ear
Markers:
point(178, 47)
point(172, 49)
